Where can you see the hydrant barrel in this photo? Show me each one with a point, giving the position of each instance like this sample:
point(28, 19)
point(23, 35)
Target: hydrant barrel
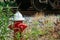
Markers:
point(18, 27)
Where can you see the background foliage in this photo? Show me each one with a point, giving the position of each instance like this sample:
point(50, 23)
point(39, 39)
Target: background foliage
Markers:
point(5, 14)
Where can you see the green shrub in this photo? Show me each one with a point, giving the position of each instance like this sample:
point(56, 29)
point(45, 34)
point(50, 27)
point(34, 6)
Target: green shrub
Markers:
point(5, 14)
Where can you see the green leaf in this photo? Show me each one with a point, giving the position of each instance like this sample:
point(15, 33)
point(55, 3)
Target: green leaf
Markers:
point(18, 36)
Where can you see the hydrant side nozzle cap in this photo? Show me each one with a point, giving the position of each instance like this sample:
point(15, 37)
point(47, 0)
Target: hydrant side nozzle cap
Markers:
point(18, 16)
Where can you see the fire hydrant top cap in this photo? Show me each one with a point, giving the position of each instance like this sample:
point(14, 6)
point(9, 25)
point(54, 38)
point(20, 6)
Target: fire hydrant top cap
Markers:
point(18, 16)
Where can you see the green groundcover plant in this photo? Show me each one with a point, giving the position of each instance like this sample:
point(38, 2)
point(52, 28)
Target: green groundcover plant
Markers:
point(5, 14)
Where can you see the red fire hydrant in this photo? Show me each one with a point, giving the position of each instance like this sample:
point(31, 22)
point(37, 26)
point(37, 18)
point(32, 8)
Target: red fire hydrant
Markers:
point(18, 25)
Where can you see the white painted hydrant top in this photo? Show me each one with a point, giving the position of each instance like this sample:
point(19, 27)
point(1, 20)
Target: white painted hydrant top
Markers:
point(17, 17)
